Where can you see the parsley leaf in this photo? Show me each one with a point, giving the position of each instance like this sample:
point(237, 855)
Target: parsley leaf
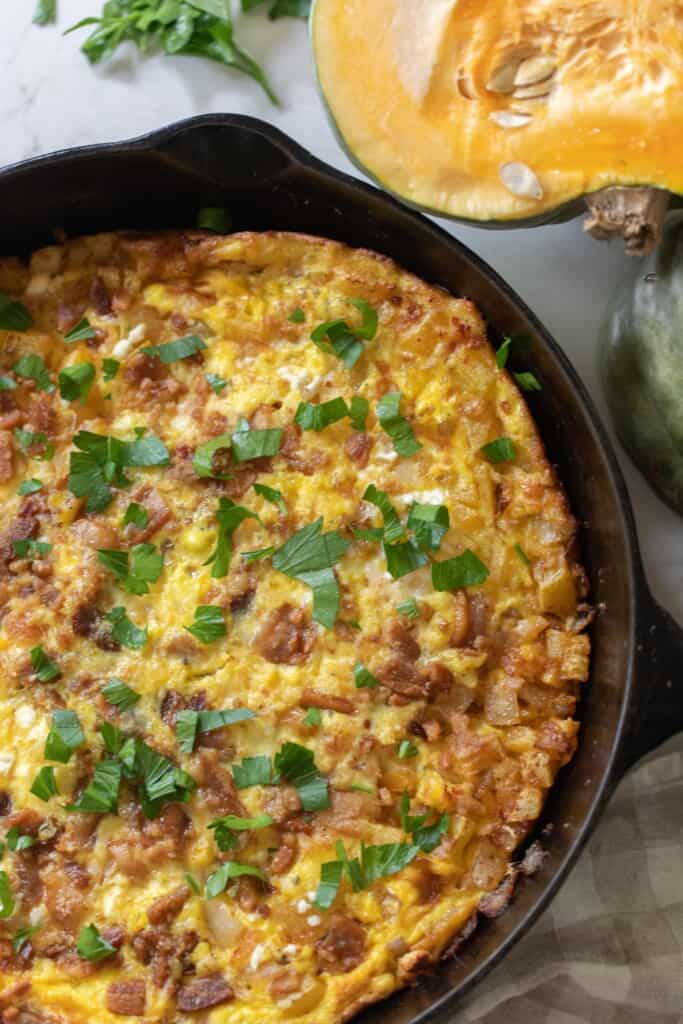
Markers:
point(313, 717)
point(409, 608)
point(7, 384)
point(395, 425)
point(522, 555)
point(358, 411)
point(375, 862)
point(528, 382)
point(123, 631)
point(403, 558)
point(392, 525)
point(338, 338)
point(91, 946)
point(81, 332)
point(273, 495)
point(364, 678)
point(110, 367)
point(21, 937)
point(503, 353)
point(136, 515)
point(429, 523)
point(64, 737)
point(27, 440)
point(32, 367)
point(7, 901)
point(173, 351)
point(407, 749)
point(465, 570)
point(99, 463)
point(253, 771)
point(214, 218)
point(316, 417)
point(101, 795)
point(161, 780)
point(500, 450)
point(229, 516)
point(45, 785)
point(13, 315)
point(116, 692)
point(224, 828)
point(427, 837)
point(146, 564)
point(31, 548)
point(255, 444)
point(297, 316)
point(43, 667)
point(76, 381)
point(209, 623)
point(297, 764)
point(217, 383)
point(16, 842)
point(29, 486)
point(189, 723)
point(309, 556)
point(217, 882)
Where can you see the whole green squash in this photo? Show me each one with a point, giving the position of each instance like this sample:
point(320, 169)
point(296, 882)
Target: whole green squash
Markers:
point(642, 365)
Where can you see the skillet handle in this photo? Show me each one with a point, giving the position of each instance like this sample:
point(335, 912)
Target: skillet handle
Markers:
point(657, 709)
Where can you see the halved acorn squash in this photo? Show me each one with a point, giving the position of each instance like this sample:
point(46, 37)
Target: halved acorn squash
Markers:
point(510, 112)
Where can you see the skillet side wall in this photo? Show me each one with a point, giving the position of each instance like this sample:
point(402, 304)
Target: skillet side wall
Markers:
point(267, 182)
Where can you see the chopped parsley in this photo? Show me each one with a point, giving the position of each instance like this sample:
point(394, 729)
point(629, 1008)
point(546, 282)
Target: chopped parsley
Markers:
point(13, 315)
point(136, 515)
point(338, 338)
point(358, 411)
point(395, 425)
point(21, 937)
point(297, 764)
point(32, 367)
point(44, 14)
point(500, 450)
point(192, 882)
point(309, 556)
point(217, 882)
point(522, 555)
point(409, 608)
point(214, 218)
point(428, 523)
point(403, 556)
point(173, 351)
point(364, 679)
point(81, 332)
point(503, 353)
point(31, 548)
point(43, 667)
point(224, 829)
point(44, 785)
point(407, 749)
point(209, 623)
point(99, 463)
point(255, 444)
point(393, 530)
point(110, 367)
point(229, 516)
point(528, 382)
point(253, 771)
point(7, 384)
point(217, 383)
point(123, 631)
point(316, 417)
point(116, 692)
point(76, 381)
point(271, 494)
point(297, 316)
point(64, 737)
point(7, 901)
point(91, 946)
point(101, 795)
point(313, 717)
point(28, 440)
point(146, 564)
point(190, 723)
point(258, 553)
point(29, 486)
point(465, 570)
point(16, 842)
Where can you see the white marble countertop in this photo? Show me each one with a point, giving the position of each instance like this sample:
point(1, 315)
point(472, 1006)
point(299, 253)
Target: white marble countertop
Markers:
point(51, 98)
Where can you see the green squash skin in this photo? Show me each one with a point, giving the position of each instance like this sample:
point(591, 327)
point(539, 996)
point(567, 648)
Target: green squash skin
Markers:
point(641, 365)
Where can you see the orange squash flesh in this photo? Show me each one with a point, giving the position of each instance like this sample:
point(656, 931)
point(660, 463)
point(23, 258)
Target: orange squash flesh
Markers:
point(408, 83)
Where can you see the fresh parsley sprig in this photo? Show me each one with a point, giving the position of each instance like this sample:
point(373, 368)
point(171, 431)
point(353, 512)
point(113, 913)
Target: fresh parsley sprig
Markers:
point(309, 556)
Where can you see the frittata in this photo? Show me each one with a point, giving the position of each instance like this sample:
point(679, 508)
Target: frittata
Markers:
point(291, 633)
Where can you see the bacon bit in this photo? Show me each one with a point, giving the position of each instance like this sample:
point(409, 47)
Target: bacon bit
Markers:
point(169, 906)
point(302, 462)
point(358, 448)
point(5, 804)
point(285, 984)
point(402, 678)
point(286, 856)
point(167, 954)
point(216, 785)
point(413, 962)
point(88, 622)
point(437, 677)
point(287, 637)
point(127, 998)
point(11, 419)
point(99, 297)
point(6, 456)
point(342, 947)
point(115, 935)
point(283, 803)
point(202, 993)
point(64, 887)
point(159, 514)
point(67, 317)
point(327, 701)
point(461, 618)
point(402, 642)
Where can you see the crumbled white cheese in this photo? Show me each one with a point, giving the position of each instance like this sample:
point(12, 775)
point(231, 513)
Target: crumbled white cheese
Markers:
point(303, 906)
point(295, 376)
point(6, 762)
point(314, 920)
point(433, 497)
point(36, 915)
point(126, 345)
point(385, 454)
point(25, 716)
point(257, 956)
point(182, 423)
point(290, 949)
point(311, 895)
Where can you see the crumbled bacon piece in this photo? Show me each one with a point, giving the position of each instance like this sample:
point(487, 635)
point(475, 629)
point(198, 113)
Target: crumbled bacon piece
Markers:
point(202, 993)
point(327, 701)
point(287, 636)
point(342, 947)
point(169, 906)
point(358, 448)
point(127, 998)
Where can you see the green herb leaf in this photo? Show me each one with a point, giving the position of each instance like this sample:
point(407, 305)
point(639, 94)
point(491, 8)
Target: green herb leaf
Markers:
point(503, 353)
point(173, 351)
point(7, 901)
point(21, 937)
point(76, 381)
point(407, 749)
point(393, 530)
point(313, 717)
point(16, 842)
point(45, 14)
point(189, 723)
point(403, 558)
point(370, 322)
point(309, 556)
point(28, 440)
point(214, 218)
point(395, 425)
point(217, 882)
point(528, 382)
point(192, 882)
point(364, 678)
point(91, 946)
point(429, 523)
point(522, 555)
point(316, 417)
point(99, 463)
point(101, 795)
point(7, 384)
point(255, 444)
point(29, 486)
point(330, 879)
point(45, 785)
point(32, 367)
point(224, 829)
point(358, 411)
point(273, 495)
point(217, 383)
point(81, 332)
point(116, 692)
point(13, 315)
point(146, 565)
point(297, 316)
point(43, 668)
point(465, 570)
point(258, 553)
point(409, 608)
point(338, 338)
point(500, 450)
point(229, 516)
point(31, 548)
point(125, 632)
point(203, 459)
point(110, 367)
point(253, 771)
point(209, 623)
point(64, 737)
point(297, 764)
point(137, 515)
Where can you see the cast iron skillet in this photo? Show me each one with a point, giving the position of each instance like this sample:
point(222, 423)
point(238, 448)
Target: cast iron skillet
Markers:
point(634, 700)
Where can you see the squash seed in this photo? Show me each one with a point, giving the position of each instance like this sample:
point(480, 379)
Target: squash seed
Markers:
point(503, 78)
point(534, 70)
point(521, 180)
point(532, 92)
point(509, 118)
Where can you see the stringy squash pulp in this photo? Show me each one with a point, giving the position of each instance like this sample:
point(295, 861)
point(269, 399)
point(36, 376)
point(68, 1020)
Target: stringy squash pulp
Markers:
point(501, 110)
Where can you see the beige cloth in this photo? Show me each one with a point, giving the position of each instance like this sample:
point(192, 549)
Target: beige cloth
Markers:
point(610, 948)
